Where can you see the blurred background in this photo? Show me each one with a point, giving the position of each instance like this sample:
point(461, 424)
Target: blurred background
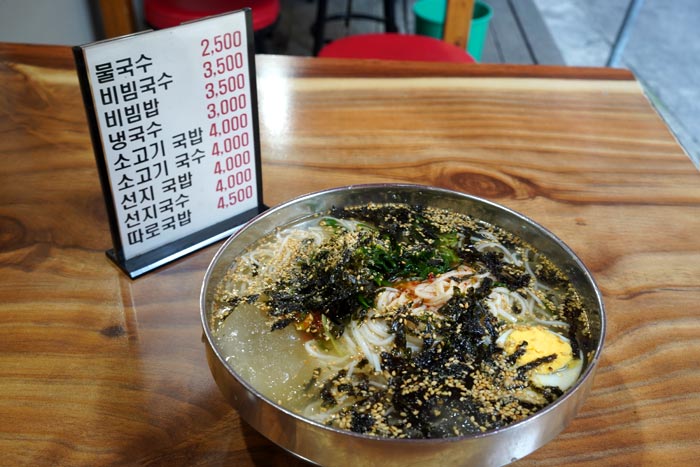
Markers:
point(660, 45)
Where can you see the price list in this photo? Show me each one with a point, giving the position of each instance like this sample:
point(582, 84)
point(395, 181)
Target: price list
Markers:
point(227, 94)
point(174, 125)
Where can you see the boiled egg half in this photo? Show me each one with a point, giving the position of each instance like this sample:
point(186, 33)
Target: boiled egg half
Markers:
point(561, 372)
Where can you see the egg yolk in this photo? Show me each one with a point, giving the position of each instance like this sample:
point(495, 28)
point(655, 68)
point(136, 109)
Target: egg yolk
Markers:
point(541, 342)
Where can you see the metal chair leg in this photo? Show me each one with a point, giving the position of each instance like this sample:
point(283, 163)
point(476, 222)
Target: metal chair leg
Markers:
point(390, 16)
point(319, 27)
point(623, 34)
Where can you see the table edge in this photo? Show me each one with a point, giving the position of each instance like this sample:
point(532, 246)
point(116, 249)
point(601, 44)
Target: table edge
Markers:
point(61, 57)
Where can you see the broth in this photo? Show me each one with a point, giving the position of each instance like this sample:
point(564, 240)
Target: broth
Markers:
point(401, 321)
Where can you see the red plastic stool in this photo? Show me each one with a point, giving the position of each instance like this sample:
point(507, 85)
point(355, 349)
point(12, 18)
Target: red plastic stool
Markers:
point(167, 13)
point(408, 47)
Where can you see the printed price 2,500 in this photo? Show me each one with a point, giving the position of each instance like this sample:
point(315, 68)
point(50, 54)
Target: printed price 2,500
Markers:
point(221, 42)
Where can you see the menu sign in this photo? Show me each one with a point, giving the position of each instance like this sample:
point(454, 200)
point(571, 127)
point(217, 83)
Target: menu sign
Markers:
point(173, 116)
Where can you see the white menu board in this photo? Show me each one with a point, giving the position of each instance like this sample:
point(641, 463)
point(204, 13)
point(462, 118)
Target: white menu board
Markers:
point(175, 131)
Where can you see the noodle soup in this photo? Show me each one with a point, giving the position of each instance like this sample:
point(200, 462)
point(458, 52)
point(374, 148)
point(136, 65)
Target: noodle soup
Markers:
point(401, 321)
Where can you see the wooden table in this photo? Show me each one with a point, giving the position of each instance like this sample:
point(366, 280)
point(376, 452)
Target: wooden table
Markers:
point(97, 369)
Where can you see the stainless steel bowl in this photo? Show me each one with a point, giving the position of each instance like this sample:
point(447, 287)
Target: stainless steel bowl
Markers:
point(328, 446)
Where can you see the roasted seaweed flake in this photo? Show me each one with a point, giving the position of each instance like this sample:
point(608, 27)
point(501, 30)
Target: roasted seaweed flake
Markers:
point(443, 373)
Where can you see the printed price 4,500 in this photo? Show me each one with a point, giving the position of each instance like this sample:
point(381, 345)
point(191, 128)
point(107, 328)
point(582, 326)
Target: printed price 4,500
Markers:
point(235, 197)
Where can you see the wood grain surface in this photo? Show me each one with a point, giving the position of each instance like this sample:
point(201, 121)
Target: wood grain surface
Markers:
point(97, 369)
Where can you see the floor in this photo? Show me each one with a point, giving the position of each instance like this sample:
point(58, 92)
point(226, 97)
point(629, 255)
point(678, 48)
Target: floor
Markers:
point(662, 51)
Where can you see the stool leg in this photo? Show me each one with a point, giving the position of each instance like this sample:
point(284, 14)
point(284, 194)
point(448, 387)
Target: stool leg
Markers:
point(390, 16)
point(348, 13)
point(319, 27)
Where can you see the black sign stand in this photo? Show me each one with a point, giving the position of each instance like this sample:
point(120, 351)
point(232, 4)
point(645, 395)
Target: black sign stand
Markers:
point(219, 47)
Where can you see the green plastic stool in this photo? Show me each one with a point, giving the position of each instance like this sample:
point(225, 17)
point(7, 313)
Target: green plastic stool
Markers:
point(430, 21)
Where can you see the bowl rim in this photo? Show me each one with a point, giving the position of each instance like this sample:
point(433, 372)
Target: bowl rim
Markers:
point(588, 372)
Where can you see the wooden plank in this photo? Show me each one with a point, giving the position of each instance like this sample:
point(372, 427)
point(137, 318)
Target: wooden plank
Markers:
point(117, 17)
point(458, 20)
point(539, 40)
point(507, 34)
